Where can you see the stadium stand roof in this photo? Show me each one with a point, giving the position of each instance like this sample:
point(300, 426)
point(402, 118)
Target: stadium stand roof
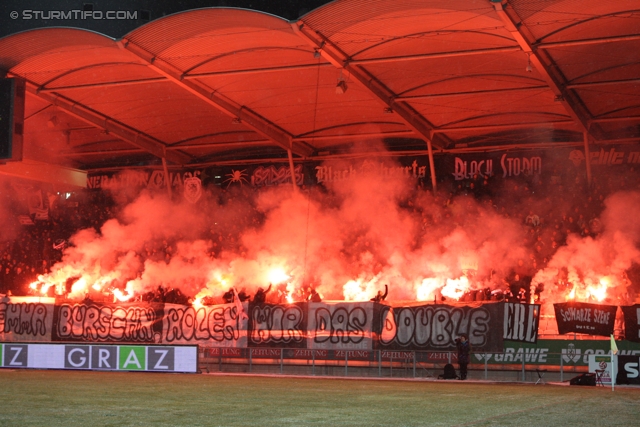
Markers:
point(224, 85)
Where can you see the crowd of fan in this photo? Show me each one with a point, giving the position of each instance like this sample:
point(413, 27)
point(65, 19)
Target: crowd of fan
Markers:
point(556, 208)
point(553, 210)
point(40, 245)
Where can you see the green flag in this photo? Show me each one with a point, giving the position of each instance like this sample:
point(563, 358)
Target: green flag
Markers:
point(614, 347)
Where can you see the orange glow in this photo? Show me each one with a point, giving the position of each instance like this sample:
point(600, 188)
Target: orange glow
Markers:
point(360, 289)
point(79, 288)
point(591, 289)
point(277, 275)
point(599, 290)
point(120, 296)
point(124, 296)
point(574, 285)
point(427, 289)
point(455, 288)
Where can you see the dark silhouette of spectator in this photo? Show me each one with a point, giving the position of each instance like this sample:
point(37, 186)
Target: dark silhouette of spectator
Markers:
point(208, 301)
point(175, 296)
point(159, 294)
point(228, 297)
point(462, 343)
point(7, 280)
point(261, 295)
point(87, 299)
point(380, 296)
point(243, 296)
point(314, 296)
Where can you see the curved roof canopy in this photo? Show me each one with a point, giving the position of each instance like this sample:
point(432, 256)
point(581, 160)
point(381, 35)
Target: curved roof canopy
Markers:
point(230, 85)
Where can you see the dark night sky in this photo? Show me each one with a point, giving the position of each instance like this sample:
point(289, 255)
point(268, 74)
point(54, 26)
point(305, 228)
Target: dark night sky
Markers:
point(116, 28)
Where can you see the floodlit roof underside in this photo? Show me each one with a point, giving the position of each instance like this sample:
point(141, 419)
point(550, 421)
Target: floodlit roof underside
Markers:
point(229, 85)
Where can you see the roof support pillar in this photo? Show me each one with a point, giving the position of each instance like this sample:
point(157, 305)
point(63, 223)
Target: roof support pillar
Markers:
point(434, 184)
point(292, 169)
point(167, 179)
point(587, 157)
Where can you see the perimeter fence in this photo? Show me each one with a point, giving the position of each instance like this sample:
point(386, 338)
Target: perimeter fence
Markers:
point(387, 364)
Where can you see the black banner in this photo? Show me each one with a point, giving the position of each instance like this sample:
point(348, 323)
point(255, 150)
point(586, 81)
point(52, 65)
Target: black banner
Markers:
point(521, 322)
point(340, 326)
point(272, 325)
point(584, 318)
point(435, 327)
point(552, 166)
point(222, 323)
point(632, 322)
point(629, 367)
point(334, 330)
point(496, 164)
point(139, 323)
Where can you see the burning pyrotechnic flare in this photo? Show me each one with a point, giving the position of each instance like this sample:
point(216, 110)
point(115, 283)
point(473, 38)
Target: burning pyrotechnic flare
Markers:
point(427, 289)
point(455, 288)
point(126, 295)
point(361, 289)
point(277, 275)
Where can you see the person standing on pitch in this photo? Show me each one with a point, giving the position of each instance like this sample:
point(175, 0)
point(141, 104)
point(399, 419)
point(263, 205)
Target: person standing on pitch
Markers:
point(464, 349)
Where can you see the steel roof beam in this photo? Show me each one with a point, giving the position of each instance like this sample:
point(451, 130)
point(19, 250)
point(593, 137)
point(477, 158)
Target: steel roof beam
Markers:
point(602, 83)
point(253, 71)
point(513, 24)
point(226, 145)
point(351, 136)
point(615, 119)
point(435, 55)
point(504, 126)
point(551, 45)
point(250, 118)
point(471, 92)
point(99, 120)
point(119, 152)
point(357, 62)
point(502, 147)
point(104, 84)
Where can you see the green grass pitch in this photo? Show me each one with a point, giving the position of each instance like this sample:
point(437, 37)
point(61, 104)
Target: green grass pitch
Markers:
point(74, 398)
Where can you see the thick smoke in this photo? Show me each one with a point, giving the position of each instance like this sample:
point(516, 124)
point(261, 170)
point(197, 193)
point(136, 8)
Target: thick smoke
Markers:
point(8, 223)
point(594, 268)
point(347, 240)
